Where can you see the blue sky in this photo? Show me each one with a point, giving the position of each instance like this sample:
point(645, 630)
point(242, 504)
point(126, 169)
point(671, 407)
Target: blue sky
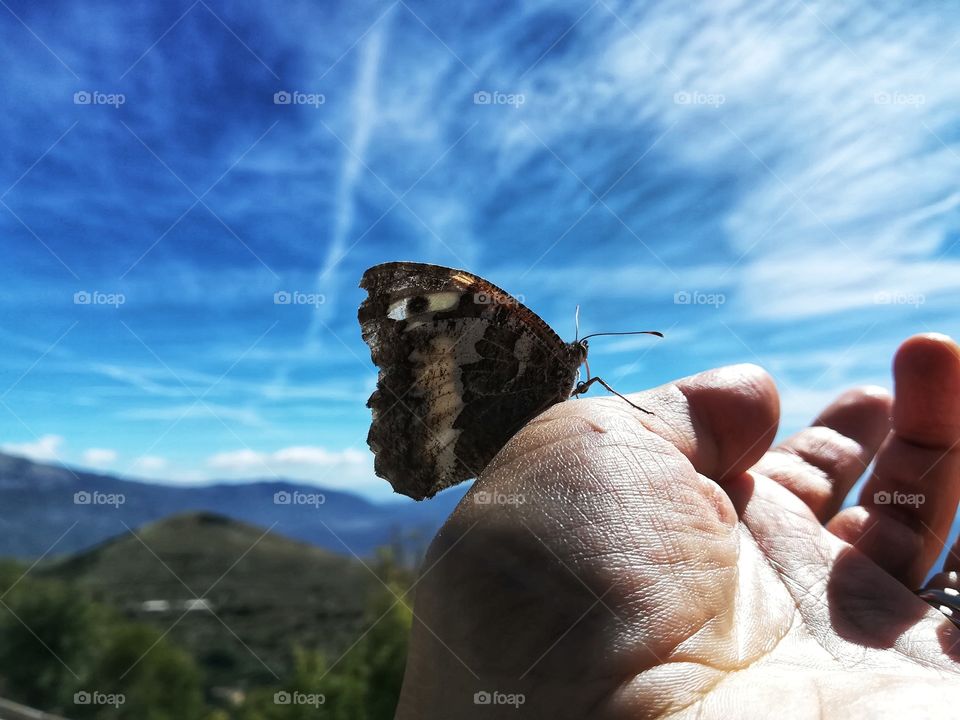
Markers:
point(789, 169)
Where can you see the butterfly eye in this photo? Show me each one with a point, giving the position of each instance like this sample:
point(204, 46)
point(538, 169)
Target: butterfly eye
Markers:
point(583, 350)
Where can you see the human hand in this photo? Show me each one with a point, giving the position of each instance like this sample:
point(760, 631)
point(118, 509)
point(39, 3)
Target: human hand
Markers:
point(674, 565)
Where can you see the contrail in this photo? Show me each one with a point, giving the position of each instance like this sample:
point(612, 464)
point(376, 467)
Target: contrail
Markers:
point(363, 116)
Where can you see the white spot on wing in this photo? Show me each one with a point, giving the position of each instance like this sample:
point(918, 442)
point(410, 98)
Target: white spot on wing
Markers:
point(436, 302)
point(522, 350)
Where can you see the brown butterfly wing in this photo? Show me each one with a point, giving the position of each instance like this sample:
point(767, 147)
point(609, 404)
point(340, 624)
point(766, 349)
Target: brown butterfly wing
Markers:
point(463, 366)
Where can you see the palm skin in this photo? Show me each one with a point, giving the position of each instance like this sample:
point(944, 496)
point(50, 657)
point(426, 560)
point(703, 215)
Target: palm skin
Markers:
point(674, 565)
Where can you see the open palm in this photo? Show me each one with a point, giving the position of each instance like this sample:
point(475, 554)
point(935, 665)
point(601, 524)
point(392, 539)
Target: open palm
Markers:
point(610, 564)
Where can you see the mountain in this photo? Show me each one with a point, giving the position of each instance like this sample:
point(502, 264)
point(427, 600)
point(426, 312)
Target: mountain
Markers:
point(57, 510)
point(265, 591)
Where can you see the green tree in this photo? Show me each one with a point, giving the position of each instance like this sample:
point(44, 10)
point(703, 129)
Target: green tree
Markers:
point(363, 684)
point(379, 659)
point(158, 680)
point(46, 634)
point(11, 572)
point(366, 682)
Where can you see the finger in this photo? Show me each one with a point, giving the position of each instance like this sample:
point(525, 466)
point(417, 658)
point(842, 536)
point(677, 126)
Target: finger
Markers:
point(951, 565)
point(948, 579)
point(911, 498)
point(722, 420)
point(822, 462)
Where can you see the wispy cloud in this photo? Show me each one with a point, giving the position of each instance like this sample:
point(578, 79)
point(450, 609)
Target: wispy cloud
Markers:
point(196, 411)
point(302, 456)
point(99, 457)
point(148, 464)
point(43, 449)
point(349, 469)
point(792, 166)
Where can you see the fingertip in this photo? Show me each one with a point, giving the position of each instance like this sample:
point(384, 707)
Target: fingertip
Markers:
point(927, 375)
point(862, 414)
point(871, 395)
point(743, 387)
point(928, 352)
point(739, 407)
point(890, 543)
point(849, 524)
point(867, 400)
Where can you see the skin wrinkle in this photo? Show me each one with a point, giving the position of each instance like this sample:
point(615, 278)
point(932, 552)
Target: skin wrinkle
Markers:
point(704, 693)
point(917, 459)
point(633, 677)
point(795, 459)
point(943, 449)
point(674, 560)
point(898, 516)
point(725, 675)
point(658, 517)
point(721, 675)
point(537, 448)
point(707, 450)
point(623, 518)
point(829, 447)
point(781, 573)
point(808, 621)
point(663, 527)
point(546, 418)
point(520, 458)
point(610, 493)
point(781, 563)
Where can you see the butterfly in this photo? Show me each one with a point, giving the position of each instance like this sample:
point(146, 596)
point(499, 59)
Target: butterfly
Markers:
point(463, 365)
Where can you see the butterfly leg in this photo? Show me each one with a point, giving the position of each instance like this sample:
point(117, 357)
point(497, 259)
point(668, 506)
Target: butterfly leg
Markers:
point(585, 385)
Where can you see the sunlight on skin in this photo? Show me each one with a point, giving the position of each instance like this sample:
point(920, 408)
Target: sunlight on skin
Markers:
point(675, 565)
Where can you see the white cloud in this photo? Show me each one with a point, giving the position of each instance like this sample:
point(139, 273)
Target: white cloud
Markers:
point(306, 456)
point(238, 460)
point(149, 463)
point(99, 457)
point(44, 449)
point(350, 469)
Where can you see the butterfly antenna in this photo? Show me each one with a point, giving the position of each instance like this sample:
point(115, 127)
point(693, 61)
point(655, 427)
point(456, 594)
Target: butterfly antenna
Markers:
point(635, 332)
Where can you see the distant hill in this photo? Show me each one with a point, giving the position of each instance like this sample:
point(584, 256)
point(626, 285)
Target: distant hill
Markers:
point(267, 590)
point(40, 504)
